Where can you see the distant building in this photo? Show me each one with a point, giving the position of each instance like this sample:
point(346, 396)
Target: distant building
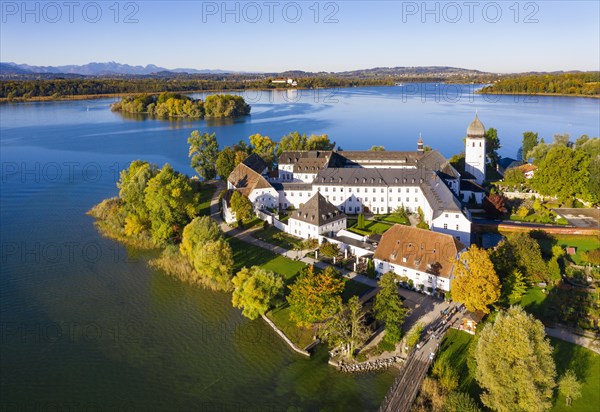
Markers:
point(290, 82)
point(528, 170)
point(424, 257)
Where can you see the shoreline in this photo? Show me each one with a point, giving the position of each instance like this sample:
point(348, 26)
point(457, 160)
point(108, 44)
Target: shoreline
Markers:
point(537, 94)
point(124, 94)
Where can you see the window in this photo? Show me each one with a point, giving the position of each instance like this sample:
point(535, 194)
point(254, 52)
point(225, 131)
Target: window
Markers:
point(382, 199)
point(382, 190)
point(399, 190)
point(457, 216)
point(327, 189)
point(358, 190)
point(407, 190)
point(334, 198)
point(416, 199)
point(350, 190)
point(416, 190)
point(374, 190)
point(446, 214)
point(445, 225)
point(408, 199)
point(456, 227)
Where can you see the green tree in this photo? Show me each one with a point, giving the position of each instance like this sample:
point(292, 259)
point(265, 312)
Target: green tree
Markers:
point(264, 147)
point(226, 162)
point(492, 145)
point(527, 255)
point(361, 221)
point(460, 402)
point(388, 307)
point(422, 222)
point(514, 361)
point(564, 173)
point(475, 282)
point(514, 287)
point(377, 149)
point(132, 185)
point(328, 249)
point(315, 297)
point(514, 177)
point(530, 140)
point(458, 162)
point(241, 206)
point(319, 142)
point(569, 387)
point(538, 152)
point(213, 261)
point(225, 105)
point(204, 151)
point(199, 231)
point(347, 328)
point(292, 141)
point(171, 203)
point(254, 289)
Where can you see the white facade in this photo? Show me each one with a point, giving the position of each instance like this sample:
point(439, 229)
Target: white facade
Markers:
point(475, 158)
point(264, 198)
point(455, 224)
point(419, 278)
point(309, 231)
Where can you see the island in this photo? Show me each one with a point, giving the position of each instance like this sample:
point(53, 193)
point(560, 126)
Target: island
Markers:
point(169, 105)
point(334, 247)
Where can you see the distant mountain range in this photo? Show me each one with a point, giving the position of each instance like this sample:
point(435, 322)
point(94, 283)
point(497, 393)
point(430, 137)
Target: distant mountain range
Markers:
point(112, 69)
point(97, 69)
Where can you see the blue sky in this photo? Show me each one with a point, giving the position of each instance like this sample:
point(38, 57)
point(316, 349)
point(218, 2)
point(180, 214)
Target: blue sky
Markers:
point(286, 35)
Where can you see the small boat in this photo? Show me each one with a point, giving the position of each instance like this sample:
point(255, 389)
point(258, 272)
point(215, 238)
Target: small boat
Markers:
point(398, 84)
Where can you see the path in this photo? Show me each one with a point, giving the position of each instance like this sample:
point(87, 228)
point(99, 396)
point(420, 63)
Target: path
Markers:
point(405, 388)
point(561, 333)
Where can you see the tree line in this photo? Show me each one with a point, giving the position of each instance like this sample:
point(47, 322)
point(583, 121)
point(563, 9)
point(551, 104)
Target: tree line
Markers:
point(577, 84)
point(566, 170)
point(57, 88)
point(209, 161)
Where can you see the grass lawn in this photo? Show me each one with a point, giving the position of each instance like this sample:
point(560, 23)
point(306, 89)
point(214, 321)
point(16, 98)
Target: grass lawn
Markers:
point(393, 218)
point(586, 365)
point(354, 288)
point(582, 243)
point(276, 237)
point(302, 337)
point(206, 194)
point(454, 351)
point(371, 226)
point(245, 254)
point(533, 302)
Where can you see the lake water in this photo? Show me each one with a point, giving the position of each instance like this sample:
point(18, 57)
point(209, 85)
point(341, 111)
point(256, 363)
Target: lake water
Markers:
point(85, 324)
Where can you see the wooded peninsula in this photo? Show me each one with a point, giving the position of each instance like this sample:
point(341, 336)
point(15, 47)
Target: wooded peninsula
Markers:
point(170, 104)
point(566, 84)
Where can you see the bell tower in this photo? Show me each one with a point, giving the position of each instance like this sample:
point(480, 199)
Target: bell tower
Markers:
point(475, 151)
